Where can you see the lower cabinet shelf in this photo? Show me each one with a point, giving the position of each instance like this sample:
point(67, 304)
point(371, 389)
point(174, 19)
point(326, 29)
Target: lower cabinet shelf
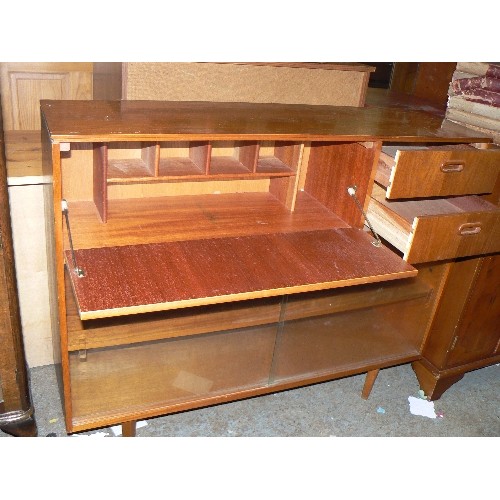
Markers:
point(336, 345)
point(313, 337)
point(141, 377)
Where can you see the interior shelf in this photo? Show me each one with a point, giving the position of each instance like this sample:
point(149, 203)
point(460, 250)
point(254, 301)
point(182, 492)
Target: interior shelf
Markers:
point(129, 160)
point(179, 167)
point(233, 157)
point(173, 218)
point(179, 159)
point(176, 371)
point(272, 165)
point(171, 161)
point(132, 169)
point(224, 165)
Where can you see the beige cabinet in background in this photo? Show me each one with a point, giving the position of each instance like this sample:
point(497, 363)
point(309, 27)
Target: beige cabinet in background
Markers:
point(22, 85)
point(333, 84)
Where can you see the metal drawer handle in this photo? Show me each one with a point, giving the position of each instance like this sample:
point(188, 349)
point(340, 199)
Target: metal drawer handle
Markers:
point(469, 228)
point(450, 167)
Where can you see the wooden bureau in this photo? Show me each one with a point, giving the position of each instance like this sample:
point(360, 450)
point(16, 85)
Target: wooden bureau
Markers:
point(208, 252)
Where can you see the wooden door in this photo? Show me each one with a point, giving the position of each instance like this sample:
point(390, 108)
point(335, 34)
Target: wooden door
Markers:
point(478, 333)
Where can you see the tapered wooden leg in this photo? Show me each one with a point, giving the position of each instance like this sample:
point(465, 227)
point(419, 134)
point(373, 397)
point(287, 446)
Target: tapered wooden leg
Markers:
point(129, 428)
point(369, 381)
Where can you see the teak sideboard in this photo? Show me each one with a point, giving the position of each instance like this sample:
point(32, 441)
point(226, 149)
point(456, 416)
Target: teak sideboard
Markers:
point(208, 252)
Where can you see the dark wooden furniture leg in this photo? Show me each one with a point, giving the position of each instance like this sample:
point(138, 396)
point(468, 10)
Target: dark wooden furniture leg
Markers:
point(27, 428)
point(369, 381)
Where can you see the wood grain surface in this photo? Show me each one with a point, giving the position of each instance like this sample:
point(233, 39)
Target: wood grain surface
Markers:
point(452, 172)
point(153, 277)
point(163, 219)
point(162, 120)
point(436, 229)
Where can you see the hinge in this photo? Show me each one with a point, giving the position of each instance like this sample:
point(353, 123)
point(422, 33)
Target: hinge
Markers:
point(351, 191)
point(78, 270)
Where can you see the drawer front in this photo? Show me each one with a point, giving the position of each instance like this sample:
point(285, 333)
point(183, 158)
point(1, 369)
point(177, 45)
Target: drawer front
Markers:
point(449, 236)
point(427, 173)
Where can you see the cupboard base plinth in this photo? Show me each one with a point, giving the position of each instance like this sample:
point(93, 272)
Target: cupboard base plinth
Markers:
point(435, 382)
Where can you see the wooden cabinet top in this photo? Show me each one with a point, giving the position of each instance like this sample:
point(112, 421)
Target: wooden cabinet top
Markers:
point(81, 121)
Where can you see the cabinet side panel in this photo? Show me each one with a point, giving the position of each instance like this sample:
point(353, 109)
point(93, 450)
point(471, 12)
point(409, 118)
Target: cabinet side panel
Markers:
point(50, 226)
point(51, 157)
point(332, 168)
point(453, 299)
point(99, 183)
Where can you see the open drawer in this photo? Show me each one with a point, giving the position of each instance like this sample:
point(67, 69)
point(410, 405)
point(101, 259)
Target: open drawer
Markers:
point(436, 229)
point(451, 170)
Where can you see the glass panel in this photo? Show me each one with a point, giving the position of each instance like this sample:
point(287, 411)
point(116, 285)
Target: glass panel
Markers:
point(347, 341)
point(163, 373)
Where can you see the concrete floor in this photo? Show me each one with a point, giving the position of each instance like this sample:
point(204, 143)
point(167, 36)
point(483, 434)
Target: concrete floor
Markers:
point(259, 467)
point(470, 408)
